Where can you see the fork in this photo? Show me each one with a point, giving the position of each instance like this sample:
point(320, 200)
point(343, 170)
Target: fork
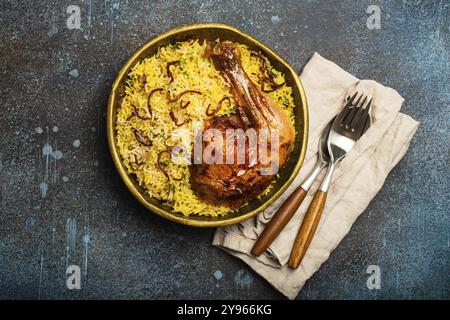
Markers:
point(347, 128)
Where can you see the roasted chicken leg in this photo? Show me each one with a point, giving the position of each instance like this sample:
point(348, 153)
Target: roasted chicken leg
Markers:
point(235, 184)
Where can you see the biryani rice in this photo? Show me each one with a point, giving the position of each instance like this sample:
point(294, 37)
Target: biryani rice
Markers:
point(193, 72)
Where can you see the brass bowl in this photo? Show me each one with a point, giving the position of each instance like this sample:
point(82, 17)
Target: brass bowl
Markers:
point(212, 31)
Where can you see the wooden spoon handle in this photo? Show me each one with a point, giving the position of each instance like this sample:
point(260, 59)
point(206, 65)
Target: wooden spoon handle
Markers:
point(307, 229)
point(278, 221)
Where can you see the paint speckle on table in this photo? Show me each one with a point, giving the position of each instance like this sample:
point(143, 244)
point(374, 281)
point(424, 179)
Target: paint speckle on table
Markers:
point(71, 238)
point(74, 73)
point(86, 239)
point(43, 188)
point(47, 149)
point(29, 223)
point(218, 274)
point(57, 154)
point(275, 19)
point(76, 143)
point(243, 281)
point(65, 178)
point(38, 130)
point(53, 236)
point(243, 278)
point(86, 242)
point(15, 35)
point(53, 30)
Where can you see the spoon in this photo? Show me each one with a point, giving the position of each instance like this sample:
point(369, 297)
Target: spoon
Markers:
point(290, 206)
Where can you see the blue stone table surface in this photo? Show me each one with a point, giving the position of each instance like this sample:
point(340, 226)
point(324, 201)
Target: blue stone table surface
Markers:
point(62, 202)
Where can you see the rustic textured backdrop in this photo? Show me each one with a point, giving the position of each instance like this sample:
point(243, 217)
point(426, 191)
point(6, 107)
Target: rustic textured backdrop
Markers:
point(62, 203)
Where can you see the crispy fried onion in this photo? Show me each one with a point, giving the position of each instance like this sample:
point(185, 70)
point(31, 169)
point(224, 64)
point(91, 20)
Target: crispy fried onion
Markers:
point(184, 106)
point(181, 94)
point(120, 101)
point(142, 139)
point(135, 113)
point(210, 113)
point(169, 73)
point(158, 164)
point(175, 120)
point(149, 104)
point(267, 77)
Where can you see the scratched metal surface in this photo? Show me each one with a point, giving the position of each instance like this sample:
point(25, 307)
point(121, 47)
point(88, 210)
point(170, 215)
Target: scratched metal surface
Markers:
point(62, 203)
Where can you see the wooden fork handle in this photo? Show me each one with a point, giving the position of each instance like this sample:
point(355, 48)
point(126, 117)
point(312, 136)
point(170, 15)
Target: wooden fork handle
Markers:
point(278, 221)
point(307, 229)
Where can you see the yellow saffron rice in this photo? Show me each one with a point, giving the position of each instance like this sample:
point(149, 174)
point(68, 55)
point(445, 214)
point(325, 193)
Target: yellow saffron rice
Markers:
point(193, 72)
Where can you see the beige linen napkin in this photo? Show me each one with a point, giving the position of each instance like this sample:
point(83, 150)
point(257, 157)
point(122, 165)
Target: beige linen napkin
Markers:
point(356, 181)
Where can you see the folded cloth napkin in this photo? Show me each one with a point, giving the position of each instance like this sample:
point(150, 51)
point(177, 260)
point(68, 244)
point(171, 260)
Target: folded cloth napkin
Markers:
point(356, 181)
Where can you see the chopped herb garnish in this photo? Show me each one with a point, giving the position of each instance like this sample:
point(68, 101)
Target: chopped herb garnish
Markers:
point(175, 45)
